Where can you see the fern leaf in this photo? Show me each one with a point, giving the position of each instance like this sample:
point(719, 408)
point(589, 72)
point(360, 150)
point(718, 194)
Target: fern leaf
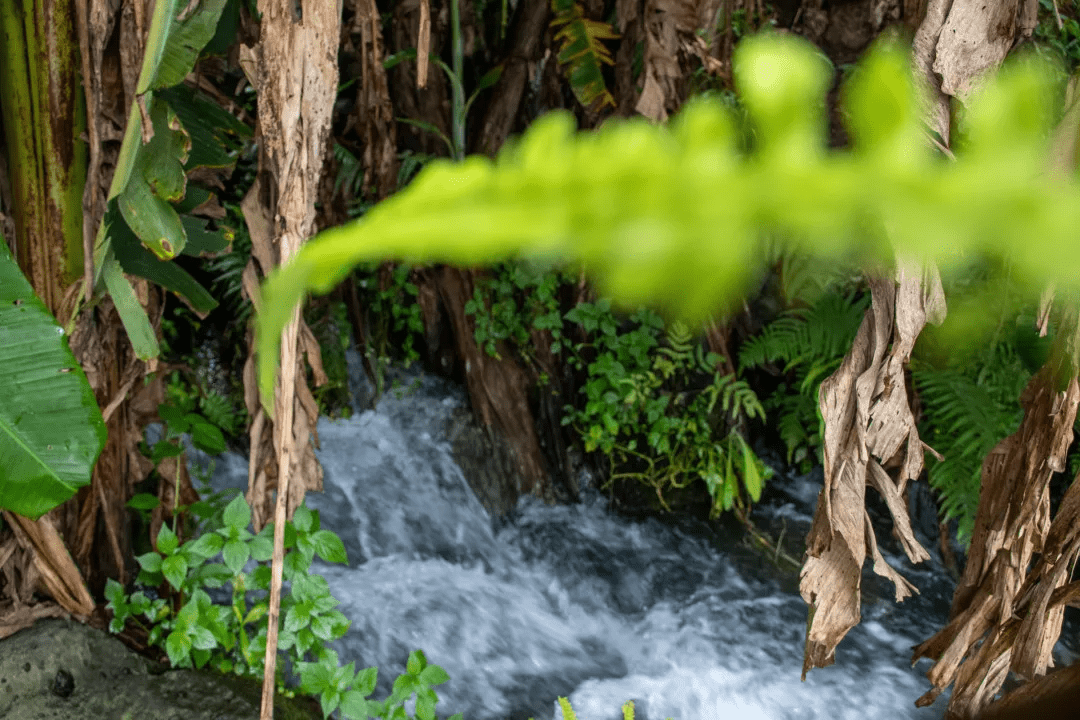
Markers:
point(567, 711)
point(582, 53)
point(963, 422)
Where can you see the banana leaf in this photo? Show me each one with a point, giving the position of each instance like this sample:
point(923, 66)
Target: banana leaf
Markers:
point(51, 430)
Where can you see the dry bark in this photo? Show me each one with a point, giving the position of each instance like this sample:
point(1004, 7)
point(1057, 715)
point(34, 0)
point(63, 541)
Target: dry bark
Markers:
point(498, 387)
point(670, 32)
point(374, 113)
point(506, 95)
point(1005, 613)
point(294, 71)
point(868, 426)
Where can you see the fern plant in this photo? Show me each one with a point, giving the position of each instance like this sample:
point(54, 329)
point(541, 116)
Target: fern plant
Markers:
point(809, 343)
point(661, 412)
point(964, 417)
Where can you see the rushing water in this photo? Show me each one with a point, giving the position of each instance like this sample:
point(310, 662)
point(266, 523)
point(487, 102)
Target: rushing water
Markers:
point(577, 601)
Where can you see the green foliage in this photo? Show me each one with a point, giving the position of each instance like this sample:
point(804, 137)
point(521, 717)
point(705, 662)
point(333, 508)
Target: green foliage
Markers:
point(329, 323)
point(809, 343)
point(395, 323)
point(347, 689)
point(657, 406)
point(652, 402)
point(194, 631)
point(632, 201)
point(51, 430)
point(963, 422)
point(148, 222)
point(511, 301)
point(569, 714)
point(1059, 32)
point(581, 52)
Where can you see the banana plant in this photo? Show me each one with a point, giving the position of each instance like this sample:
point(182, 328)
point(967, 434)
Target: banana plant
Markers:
point(170, 133)
point(51, 430)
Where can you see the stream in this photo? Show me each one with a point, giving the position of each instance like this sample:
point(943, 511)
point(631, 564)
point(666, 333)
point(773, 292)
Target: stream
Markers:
point(580, 602)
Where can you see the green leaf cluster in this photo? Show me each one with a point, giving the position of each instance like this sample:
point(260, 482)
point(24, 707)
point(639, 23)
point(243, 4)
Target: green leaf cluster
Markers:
point(171, 133)
point(656, 404)
point(511, 301)
point(344, 688)
point(195, 631)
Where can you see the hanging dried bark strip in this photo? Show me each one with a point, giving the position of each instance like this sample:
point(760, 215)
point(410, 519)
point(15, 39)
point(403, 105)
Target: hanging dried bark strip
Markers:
point(1005, 617)
point(868, 424)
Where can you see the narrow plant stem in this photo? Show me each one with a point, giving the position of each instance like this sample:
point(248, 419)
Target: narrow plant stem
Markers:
point(457, 51)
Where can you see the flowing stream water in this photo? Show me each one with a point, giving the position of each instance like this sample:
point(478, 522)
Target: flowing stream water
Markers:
point(580, 602)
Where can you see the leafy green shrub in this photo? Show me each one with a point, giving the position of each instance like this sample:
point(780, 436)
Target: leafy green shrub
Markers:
point(810, 342)
point(193, 631)
point(652, 402)
point(511, 301)
point(657, 406)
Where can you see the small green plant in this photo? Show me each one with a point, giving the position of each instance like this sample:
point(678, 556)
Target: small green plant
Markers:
point(395, 323)
point(329, 323)
point(569, 714)
point(511, 301)
point(193, 631)
point(1058, 33)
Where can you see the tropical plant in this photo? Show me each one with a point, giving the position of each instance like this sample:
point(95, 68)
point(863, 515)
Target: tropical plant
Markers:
point(626, 201)
point(170, 132)
point(193, 631)
point(513, 299)
point(582, 54)
point(51, 430)
point(658, 408)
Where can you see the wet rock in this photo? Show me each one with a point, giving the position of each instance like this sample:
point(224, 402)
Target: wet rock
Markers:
point(63, 670)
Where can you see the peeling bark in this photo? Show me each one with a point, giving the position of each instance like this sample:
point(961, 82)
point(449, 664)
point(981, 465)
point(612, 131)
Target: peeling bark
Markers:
point(868, 426)
point(498, 388)
point(1005, 614)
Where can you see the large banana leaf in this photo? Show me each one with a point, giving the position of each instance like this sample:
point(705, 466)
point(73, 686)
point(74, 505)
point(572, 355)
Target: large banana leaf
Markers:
point(51, 430)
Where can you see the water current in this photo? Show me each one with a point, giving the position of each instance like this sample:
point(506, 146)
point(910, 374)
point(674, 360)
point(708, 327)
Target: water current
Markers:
point(580, 602)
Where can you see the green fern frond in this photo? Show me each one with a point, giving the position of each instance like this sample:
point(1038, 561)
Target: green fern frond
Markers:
point(809, 338)
point(217, 409)
point(738, 398)
point(350, 171)
point(582, 53)
point(963, 421)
